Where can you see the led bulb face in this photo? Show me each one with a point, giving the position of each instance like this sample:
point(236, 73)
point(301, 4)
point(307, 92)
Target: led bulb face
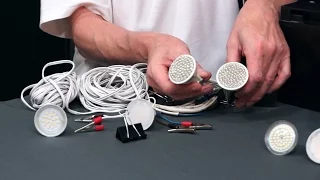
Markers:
point(50, 120)
point(183, 70)
point(232, 76)
point(281, 138)
point(141, 111)
point(313, 146)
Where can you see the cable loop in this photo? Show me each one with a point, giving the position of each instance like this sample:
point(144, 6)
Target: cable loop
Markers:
point(59, 89)
point(110, 89)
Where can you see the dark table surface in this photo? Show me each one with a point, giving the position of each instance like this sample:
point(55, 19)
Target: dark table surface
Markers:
point(235, 150)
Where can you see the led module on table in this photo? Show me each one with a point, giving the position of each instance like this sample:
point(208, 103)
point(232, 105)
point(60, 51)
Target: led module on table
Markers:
point(281, 138)
point(141, 111)
point(50, 120)
point(313, 146)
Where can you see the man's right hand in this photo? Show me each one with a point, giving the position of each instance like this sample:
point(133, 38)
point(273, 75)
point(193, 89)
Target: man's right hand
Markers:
point(163, 50)
point(98, 39)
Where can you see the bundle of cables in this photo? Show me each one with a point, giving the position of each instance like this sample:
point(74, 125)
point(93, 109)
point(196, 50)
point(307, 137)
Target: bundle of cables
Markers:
point(106, 90)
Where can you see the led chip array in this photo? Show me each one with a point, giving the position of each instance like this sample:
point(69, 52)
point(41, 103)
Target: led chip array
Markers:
point(281, 138)
point(232, 76)
point(50, 120)
point(182, 69)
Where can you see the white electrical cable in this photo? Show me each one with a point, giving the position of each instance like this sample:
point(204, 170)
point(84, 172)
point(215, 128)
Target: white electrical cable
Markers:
point(106, 90)
point(110, 89)
point(100, 90)
point(188, 108)
point(58, 89)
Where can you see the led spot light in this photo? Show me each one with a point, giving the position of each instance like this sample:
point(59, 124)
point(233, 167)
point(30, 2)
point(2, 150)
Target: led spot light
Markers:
point(313, 146)
point(141, 111)
point(281, 138)
point(183, 70)
point(50, 120)
point(232, 76)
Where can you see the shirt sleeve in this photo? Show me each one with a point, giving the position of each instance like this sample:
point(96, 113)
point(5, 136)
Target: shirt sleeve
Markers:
point(54, 14)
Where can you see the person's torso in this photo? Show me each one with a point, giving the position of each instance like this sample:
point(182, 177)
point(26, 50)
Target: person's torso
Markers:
point(204, 25)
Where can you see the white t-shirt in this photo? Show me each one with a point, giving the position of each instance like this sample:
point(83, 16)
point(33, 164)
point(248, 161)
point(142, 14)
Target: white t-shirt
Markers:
point(204, 25)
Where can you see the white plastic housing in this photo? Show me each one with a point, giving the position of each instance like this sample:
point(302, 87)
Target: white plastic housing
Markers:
point(141, 111)
point(313, 146)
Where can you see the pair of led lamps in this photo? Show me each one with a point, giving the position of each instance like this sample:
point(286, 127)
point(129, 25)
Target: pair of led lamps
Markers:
point(231, 76)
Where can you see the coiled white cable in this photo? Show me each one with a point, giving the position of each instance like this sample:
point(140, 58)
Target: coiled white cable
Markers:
point(105, 90)
point(101, 90)
point(59, 89)
point(110, 89)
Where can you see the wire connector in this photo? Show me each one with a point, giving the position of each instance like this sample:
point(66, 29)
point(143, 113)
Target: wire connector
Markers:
point(94, 125)
point(90, 118)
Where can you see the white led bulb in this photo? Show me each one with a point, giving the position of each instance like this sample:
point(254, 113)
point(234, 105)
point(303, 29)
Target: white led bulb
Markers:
point(313, 146)
point(183, 70)
point(232, 76)
point(50, 120)
point(141, 111)
point(281, 138)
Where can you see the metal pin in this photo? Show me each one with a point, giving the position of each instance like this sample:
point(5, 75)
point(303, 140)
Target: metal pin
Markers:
point(95, 121)
point(91, 128)
point(202, 127)
point(186, 130)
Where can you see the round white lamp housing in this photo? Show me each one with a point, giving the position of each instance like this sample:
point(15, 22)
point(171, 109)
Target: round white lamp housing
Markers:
point(141, 111)
point(183, 70)
point(281, 138)
point(313, 146)
point(232, 76)
point(50, 120)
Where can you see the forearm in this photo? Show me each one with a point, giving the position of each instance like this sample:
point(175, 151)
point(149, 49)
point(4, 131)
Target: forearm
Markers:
point(98, 39)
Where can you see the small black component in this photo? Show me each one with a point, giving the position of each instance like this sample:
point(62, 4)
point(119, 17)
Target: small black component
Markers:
point(122, 134)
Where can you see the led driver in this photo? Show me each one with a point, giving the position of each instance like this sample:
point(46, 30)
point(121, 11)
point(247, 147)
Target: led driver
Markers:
point(183, 70)
point(50, 120)
point(281, 138)
point(313, 146)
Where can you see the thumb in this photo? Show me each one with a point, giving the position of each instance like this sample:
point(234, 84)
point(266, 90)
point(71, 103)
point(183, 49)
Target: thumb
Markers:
point(233, 52)
point(205, 75)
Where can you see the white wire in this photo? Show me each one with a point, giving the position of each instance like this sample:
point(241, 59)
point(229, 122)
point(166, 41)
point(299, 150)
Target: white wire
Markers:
point(188, 108)
point(58, 89)
point(110, 89)
point(105, 90)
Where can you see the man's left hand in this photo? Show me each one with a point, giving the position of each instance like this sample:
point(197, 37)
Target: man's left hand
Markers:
point(257, 36)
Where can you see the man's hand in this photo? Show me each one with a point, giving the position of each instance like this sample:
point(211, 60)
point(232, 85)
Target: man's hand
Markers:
point(163, 50)
point(258, 36)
